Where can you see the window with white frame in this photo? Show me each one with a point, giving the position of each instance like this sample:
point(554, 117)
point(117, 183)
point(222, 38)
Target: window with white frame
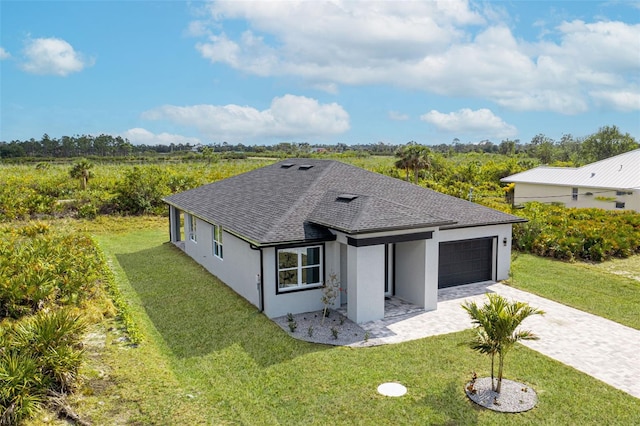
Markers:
point(574, 194)
point(216, 245)
point(620, 205)
point(299, 267)
point(191, 227)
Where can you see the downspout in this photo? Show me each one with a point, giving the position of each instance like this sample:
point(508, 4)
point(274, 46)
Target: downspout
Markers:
point(261, 283)
point(260, 280)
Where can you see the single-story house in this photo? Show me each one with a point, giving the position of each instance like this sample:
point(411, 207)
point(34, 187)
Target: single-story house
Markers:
point(276, 234)
point(612, 184)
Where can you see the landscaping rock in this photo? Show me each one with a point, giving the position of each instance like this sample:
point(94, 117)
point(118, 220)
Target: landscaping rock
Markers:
point(514, 397)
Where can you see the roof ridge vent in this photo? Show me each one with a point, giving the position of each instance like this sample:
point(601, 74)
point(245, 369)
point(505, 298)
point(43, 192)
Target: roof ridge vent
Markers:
point(305, 166)
point(346, 198)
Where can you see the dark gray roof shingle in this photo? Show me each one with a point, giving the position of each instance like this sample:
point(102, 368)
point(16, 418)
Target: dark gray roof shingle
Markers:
point(276, 204)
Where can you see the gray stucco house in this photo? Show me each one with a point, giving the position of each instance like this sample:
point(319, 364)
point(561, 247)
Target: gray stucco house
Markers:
point(275, 235)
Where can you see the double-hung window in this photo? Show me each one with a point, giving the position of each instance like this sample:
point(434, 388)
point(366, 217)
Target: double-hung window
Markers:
point(299, 267)
point(216, 245)
point(574, 194)
point(191, 224)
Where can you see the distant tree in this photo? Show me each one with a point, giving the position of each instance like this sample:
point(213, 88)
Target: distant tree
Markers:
point(415, 157)
point(82, 170)
point(207, 153)
point(507, 147)
point(49, 146)
point(605, 143)
point(496, 324)
point(542, 148)
point(568, 149)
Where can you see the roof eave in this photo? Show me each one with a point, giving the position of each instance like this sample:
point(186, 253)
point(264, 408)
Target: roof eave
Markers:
point(473, 225)
point(384, 229)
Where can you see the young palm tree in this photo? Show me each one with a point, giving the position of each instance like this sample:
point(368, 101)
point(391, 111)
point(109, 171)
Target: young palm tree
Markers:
point(496, 324)
point(82, 170)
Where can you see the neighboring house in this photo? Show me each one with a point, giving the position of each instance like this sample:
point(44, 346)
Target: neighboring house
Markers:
point(612, 184)
point(276, 234)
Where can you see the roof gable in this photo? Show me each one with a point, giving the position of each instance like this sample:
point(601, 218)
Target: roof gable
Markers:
point(284, 202)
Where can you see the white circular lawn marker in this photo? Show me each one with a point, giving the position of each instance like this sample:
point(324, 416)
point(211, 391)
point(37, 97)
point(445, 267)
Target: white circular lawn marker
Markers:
point(392, 389)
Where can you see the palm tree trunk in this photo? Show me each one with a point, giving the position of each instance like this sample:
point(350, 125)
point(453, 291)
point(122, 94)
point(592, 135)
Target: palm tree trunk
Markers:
point(501, 363)
point(493, 357)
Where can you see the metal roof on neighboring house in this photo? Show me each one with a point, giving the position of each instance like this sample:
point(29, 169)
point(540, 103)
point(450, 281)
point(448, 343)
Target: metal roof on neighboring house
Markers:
point(301, 199)
point(619, 172)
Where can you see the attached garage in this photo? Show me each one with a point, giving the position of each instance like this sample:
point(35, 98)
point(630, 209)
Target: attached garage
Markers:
point(465, 262)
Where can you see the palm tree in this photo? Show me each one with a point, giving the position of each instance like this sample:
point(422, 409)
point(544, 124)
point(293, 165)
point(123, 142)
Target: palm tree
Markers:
point(403, 163)
point(496, 324)
point(413, 156)
point(82, 170)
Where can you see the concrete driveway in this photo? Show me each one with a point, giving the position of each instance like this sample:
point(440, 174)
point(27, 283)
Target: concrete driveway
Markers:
point(596, 346)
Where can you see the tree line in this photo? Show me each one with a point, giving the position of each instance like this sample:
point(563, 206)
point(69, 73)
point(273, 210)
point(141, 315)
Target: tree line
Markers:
point(606, 142)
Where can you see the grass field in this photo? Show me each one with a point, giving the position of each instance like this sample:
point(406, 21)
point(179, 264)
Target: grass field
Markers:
point(208, 357)
point(606, 289)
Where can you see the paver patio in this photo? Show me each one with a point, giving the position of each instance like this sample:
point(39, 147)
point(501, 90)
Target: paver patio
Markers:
point(596, 346)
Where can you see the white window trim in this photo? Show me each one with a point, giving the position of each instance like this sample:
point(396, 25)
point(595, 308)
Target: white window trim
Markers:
point(216, 246)
point(299, 268)
point(193, 235)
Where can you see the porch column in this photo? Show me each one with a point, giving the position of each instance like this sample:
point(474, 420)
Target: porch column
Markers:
point(365, 283)
point(174, 224)
point(432, 252)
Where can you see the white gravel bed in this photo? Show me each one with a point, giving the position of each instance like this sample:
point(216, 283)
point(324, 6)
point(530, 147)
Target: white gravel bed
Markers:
point(309, 327)
point(514, 397)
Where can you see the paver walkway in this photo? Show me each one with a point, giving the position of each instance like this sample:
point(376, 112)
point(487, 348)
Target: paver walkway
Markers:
point(596, 346)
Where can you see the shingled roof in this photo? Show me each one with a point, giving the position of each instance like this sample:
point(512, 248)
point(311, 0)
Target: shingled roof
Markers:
point(300, 199)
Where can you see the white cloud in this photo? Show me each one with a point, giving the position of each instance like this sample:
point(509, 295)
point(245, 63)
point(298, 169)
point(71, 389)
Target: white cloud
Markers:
point(140, 136)
point(398, 116)
point(450, 48)
point(52, 56)
point(481, 122)
point(198, 29)
point(4, 54)
point(288, 116)
point(621, 101)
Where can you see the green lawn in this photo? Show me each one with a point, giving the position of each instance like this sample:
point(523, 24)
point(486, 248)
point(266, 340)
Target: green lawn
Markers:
point(605, 289)
point(210, 358)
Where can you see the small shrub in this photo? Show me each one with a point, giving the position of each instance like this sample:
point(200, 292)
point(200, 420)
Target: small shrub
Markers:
point(335, 332)
point(310, 331)
point(291, 322)
point(330, 292)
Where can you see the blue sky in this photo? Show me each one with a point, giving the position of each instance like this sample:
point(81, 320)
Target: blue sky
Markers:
point(318, 72)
